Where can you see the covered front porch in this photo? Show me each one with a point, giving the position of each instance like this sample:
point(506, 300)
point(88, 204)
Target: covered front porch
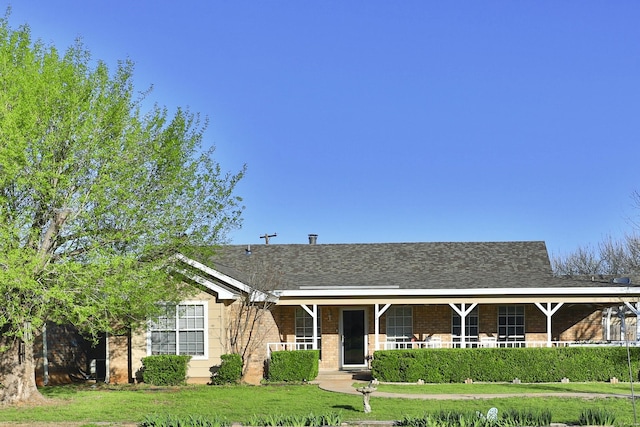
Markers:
point(348, 335)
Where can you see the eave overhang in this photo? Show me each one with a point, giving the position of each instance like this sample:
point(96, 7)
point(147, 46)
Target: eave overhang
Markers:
point(355, 292)
point(444, 296)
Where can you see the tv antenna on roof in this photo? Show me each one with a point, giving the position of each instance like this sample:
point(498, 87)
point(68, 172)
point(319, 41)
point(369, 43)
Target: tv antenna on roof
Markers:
point(267, 236)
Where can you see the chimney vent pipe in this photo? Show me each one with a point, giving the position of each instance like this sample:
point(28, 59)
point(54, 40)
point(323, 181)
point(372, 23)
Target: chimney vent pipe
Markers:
point(313, 239)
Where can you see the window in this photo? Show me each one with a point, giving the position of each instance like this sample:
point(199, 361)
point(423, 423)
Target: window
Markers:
point(399, 324)
point(180, 330)
point(511, 323)
point(470, 326)
point(304, 329)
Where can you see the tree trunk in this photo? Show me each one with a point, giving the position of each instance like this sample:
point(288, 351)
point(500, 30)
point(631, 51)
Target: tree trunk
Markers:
point(17, 373)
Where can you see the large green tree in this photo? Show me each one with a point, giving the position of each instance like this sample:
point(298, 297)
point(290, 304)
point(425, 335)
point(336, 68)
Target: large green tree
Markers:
point(95, 197)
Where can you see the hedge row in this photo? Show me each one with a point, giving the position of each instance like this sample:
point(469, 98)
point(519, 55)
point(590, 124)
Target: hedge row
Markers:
point(294, 366)
point(530, 365)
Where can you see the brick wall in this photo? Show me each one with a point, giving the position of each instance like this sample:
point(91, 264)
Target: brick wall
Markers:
point(330, 353)
point(488, 320)
point(535, 323)
point(577, 323)
point(265, 331)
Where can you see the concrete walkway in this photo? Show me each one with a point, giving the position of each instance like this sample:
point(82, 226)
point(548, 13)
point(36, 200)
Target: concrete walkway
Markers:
point(343, 382)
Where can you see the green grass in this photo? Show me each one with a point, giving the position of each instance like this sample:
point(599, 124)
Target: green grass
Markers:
point(130, 404)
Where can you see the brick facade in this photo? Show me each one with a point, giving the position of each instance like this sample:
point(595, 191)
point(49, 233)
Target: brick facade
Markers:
point(267, 331)
point(575, 322)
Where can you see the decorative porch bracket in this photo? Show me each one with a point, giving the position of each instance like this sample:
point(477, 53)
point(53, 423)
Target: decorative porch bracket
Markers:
point(378, 313)
point(636, 311)
point(549, 311)
point(313, 312)
point(463, 311)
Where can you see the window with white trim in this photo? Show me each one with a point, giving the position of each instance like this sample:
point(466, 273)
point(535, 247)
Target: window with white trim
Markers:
point(470, 326)
point(304, 329)
point(511, 323)
point(400, 324)
point(180, 329)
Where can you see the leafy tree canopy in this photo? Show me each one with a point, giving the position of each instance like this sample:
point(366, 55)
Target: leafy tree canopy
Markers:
point(95, 194)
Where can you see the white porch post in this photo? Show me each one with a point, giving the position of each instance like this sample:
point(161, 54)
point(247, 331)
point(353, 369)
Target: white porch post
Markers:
point(313, 312)
point(637, 321)
point(549, 311)
point(609, 312)
point(463, 312)
point(378, 313)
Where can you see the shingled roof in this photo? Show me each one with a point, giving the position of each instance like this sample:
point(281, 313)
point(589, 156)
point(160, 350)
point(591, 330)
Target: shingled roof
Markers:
point(439, 265)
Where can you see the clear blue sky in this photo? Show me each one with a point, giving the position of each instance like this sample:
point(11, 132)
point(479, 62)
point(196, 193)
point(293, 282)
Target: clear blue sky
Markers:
point(394, 121)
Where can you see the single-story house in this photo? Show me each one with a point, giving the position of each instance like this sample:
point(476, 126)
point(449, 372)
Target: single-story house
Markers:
point(349, 300)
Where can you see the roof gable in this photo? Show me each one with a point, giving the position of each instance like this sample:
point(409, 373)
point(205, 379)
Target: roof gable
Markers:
point(225, 287)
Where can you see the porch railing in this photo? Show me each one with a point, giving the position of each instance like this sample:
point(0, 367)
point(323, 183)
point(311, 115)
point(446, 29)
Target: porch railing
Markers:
point(390, 345)
point(283, 346)
point(483, 343)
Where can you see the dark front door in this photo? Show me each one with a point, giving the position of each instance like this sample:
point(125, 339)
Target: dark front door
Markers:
point(353, 337)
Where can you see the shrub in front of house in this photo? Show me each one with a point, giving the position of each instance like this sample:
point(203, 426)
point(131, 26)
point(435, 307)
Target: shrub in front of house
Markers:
point(230, 371)
point(532, 365)
point(293, 366)
point(165, 370)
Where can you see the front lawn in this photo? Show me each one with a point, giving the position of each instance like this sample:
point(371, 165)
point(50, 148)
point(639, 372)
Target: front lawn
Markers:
point(239, 403)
